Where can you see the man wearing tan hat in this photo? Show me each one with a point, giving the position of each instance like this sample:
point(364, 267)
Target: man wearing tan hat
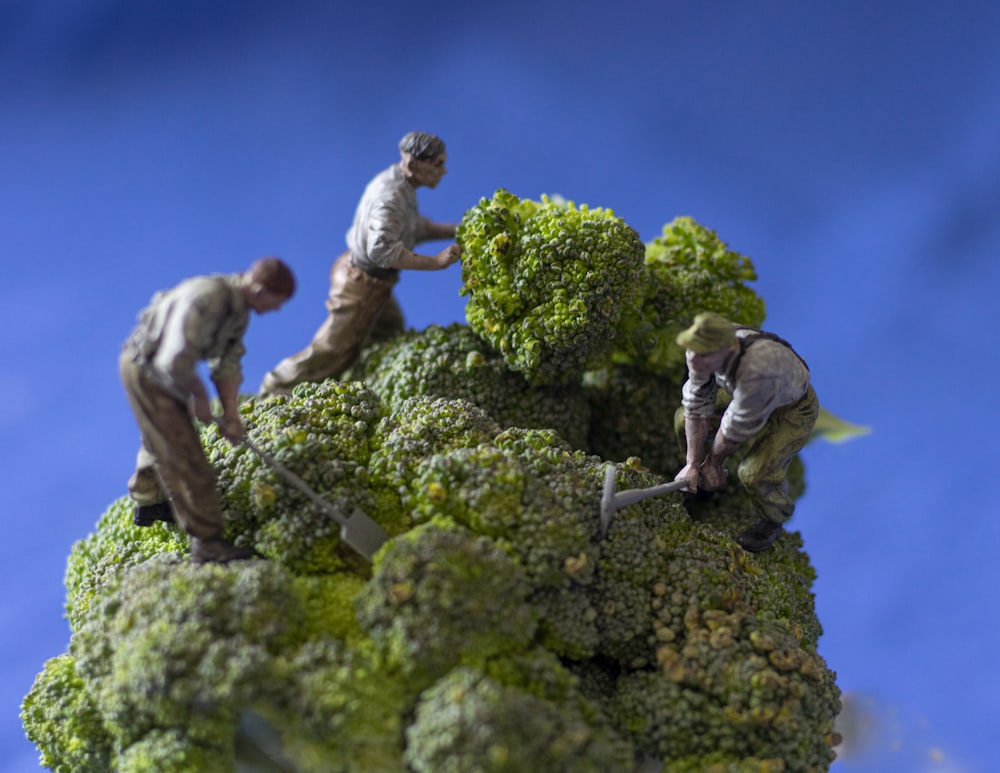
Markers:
point(773, 410)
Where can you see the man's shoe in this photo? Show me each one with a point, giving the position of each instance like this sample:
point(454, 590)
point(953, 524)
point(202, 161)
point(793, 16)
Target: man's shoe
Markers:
point(147, 515)
point(218, 551)
point(760, 536)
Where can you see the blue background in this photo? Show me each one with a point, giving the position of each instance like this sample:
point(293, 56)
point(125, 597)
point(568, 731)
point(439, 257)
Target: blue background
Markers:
point(849, 148)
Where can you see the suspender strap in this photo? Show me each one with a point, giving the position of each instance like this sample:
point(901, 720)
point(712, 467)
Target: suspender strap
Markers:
point(757, 335)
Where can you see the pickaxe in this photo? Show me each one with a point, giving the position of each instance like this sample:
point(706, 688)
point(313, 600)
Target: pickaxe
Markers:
point(611, 501)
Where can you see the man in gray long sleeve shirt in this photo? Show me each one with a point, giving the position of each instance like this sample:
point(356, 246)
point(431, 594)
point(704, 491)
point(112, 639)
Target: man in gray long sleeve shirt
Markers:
point(773, 409)
point(387, 226)
point(203, 318)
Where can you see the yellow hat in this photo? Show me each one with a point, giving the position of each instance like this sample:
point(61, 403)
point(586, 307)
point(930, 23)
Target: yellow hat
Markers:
point(709, 333)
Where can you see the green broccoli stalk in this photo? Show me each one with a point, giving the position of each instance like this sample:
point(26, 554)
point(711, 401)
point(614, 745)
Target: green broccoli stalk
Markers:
point(547, 282)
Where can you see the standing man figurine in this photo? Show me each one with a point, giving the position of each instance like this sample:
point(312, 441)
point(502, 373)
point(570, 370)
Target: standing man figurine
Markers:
point(387, 226)
point(203, 318)
point(773, 409)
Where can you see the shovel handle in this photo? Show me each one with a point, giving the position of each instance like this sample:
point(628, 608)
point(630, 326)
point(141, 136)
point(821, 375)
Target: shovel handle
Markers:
point(295, 481)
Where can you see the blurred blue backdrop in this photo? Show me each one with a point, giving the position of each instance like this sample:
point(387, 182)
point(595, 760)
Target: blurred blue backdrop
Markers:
point(850, 149)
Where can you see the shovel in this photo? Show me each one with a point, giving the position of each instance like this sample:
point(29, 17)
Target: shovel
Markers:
point(611, 501)
point(358, 530)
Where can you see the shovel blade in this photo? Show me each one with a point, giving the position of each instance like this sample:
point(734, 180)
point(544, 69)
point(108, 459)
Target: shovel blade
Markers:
point(363, 534)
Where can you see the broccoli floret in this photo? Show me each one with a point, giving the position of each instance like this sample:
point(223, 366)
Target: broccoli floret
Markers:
point(171, 659)
point(454, 363)
point(176, 649)
point(340, 709)
point(547, 282)
point(734, 691)
point(115, 545)
point(688, 270)
point(685, 615)
point(493, 721)
point(323, 433)
point(441, 594)
point(539, 501)
point(547, 521)
point(62, 720)
point(422, 427)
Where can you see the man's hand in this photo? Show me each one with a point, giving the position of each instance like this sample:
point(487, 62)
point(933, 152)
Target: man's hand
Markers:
point(202, 407)
point(689, 473)
point(231, 428)
point(713, 475)
point(449, 255)
point(411, 260)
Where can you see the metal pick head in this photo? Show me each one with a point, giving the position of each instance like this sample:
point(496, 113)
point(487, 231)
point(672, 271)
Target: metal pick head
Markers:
point(608, 498)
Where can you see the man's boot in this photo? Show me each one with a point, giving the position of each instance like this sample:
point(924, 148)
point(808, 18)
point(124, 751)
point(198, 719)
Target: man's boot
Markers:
point(218, 551)
point(147, 515)
point(760, 536)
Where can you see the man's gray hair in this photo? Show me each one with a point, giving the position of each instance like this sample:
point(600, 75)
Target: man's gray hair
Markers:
point(421, 145)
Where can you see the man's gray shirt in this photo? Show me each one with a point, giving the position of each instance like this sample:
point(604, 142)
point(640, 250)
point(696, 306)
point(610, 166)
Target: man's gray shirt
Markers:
point(203, 318)
point(767, 376)
point(386, 221)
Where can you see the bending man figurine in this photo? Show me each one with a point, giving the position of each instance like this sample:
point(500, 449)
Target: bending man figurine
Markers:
point(387, 226)
point(773, 409)
point(203, 318)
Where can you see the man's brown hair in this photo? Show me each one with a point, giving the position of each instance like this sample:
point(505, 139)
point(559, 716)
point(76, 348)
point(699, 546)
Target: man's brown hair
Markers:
point(274, 275)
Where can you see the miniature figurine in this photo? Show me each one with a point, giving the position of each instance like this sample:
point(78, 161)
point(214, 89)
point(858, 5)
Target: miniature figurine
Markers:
point(203, 318)
point(773, 409)
point(387, 226)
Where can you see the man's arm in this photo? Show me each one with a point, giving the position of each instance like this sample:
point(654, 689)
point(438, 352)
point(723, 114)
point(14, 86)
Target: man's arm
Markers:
point(431, 231)
point(713, 475)
point(411, 260)
point(230, 423)
point(696, 435)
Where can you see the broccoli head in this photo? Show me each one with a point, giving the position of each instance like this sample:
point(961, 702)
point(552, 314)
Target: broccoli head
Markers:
point(688, 270)
point(61, 718)
point(472, 720)
point(324, 434)
point(454, 363)
point(500, 627)
point(547, 282)
point(165, 665)
point(734, 690)
point(442, 594)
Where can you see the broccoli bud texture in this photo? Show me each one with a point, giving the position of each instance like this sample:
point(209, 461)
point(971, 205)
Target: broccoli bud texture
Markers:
point(547, 282)
point(499, 628)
